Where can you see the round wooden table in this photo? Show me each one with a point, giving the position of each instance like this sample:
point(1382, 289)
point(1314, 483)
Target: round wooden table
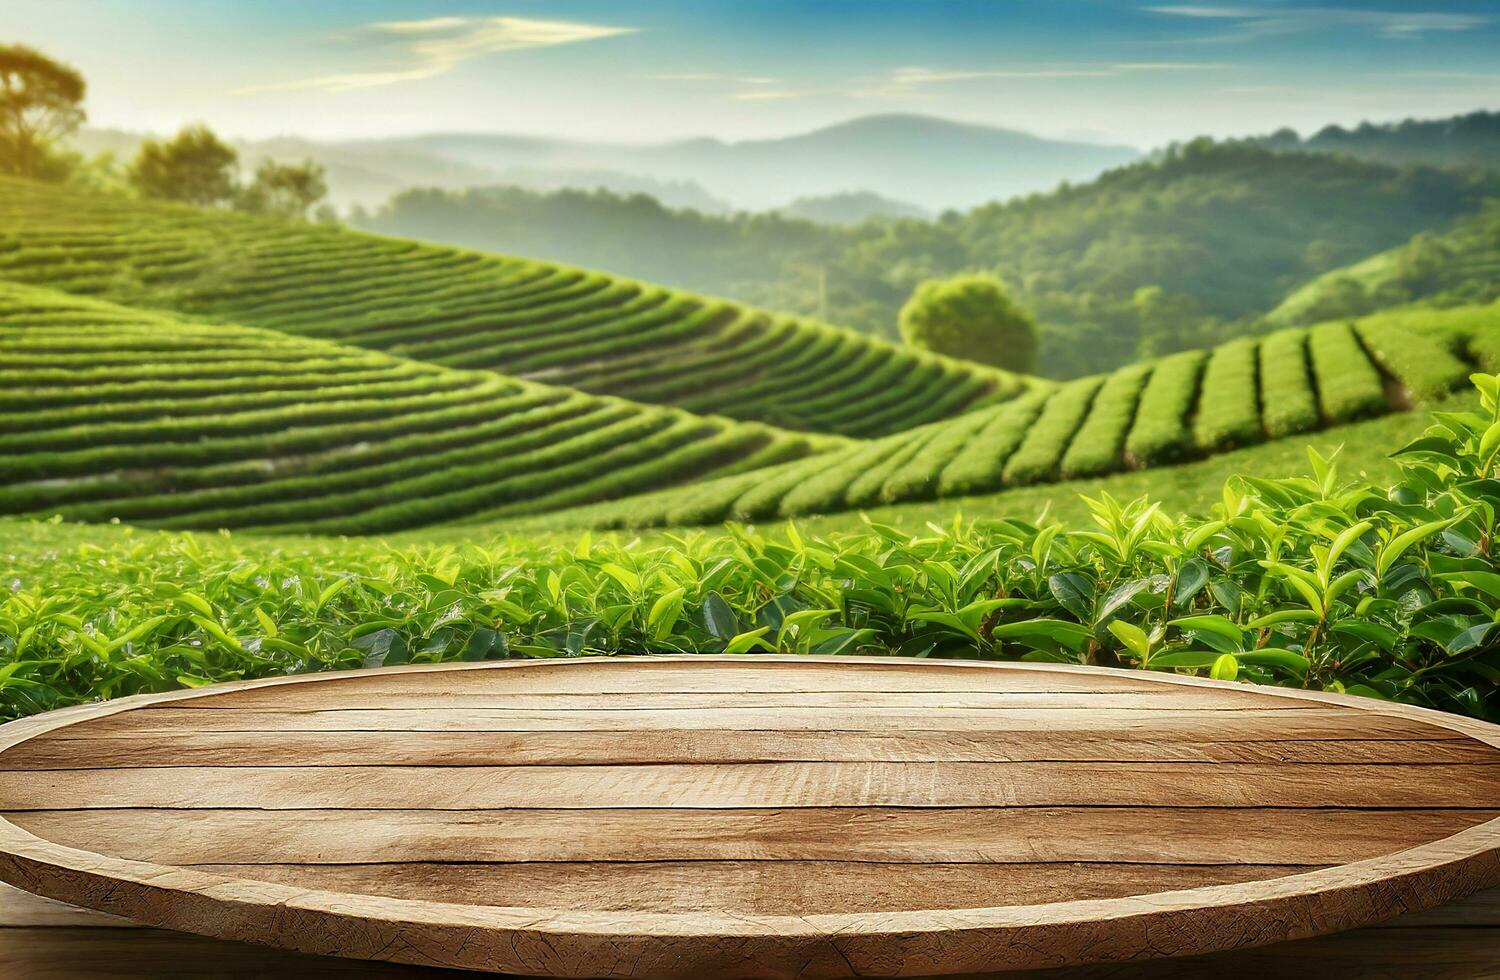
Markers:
point(749, 816)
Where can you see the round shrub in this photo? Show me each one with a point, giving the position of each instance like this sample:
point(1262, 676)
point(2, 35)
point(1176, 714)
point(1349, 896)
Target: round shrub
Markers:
point(972, 317)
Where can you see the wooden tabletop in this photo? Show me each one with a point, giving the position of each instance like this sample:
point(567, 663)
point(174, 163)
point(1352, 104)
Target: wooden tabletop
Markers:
point(739, 816)
point(43, 940)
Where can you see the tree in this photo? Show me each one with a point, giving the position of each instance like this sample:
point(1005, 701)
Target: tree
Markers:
point(971, 317)
point(195, 166)
point(40, 103)
point(285, 188)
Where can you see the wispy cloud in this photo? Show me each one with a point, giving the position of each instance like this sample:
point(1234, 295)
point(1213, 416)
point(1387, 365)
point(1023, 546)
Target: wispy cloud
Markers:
point(433, 47)
point(1255, 22)
point(713, 76)
point(772, 94)
point(906, 81)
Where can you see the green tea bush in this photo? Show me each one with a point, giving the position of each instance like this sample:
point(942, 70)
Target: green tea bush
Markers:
point(1229, 405)
point(1039, 454)
point(918, 477)
point(980, 465)
point(1288, 402)
point(115, 413)
point(1162, 430)
point(1307, 582)
point(1423, 361)
point(1349, 386)
point(1096, 447)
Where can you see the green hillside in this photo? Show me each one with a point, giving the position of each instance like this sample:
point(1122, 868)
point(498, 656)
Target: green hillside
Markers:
point(1455, 267)
point(532, 320)
point(113, 413)
point(376, 385)
point(1469, 140)
point(1180, 407)
point(1224, 229)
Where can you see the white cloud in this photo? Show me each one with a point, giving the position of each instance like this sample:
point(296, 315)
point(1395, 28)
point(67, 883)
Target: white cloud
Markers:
point(907, 80)
point(772, 94)
point(436, 46)
point(712, 76)
point(1252, 22)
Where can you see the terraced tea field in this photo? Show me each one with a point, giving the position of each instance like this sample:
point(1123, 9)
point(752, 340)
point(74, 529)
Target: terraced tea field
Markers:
point(375, 385)
point(1180, 407)
point(112, 413)
point(532, 320)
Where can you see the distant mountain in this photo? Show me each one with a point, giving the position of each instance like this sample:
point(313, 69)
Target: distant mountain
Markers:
point(935, 163)
point(1471, 140)
point(850, 208)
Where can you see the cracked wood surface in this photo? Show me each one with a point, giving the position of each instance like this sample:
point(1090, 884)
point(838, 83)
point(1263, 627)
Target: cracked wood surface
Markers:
point(749, 816)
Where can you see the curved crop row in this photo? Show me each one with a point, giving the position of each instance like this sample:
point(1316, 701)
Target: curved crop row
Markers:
point(456, 308)
point(1182, 405)
point(108, 417)
point(1289, 399)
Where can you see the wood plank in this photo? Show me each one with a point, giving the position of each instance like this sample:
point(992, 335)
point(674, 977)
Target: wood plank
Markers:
point(792, 784)
point(750, 674)
point(751, 887)
point(972, 835)
point(1459, 940)
point(1293, 722)
point(799, 818)
point(463, 700)
point(79, 746)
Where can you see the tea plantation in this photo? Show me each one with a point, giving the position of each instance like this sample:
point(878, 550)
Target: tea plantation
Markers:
point(1180, 407)
point(188, 369)
point(228, 370)
point(117, 414)
point(564, 326)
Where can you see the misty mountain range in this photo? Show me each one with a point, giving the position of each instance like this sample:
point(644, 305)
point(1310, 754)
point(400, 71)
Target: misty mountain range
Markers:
point(916, 163)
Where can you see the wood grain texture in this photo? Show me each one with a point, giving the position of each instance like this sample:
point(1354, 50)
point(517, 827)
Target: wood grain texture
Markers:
point(45, 940)
point(738, 816)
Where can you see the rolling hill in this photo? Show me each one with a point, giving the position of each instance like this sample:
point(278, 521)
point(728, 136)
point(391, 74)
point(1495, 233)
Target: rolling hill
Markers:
point(1146, 414)
point(1458, 266)
point(533, 320)
point(1224, 230)
point(112, 413)
point(186, 368)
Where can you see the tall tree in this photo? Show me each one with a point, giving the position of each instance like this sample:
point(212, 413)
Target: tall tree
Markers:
point(972, 317)
point(285, 188)
point(40, 103)
point(195, 166)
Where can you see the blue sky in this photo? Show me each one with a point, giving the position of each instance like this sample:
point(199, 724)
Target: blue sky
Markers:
point(1132, 72)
